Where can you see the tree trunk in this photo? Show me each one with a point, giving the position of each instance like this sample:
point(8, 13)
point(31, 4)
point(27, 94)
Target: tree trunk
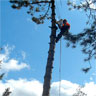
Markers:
point(48, 73)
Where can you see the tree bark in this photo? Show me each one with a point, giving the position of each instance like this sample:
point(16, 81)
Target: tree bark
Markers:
point(51, 52)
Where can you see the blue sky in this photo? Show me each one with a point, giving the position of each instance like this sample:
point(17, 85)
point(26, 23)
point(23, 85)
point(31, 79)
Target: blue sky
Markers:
point(26, 43)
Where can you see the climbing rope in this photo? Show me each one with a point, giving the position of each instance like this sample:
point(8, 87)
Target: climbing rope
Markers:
point(60, 67)
point(59, 17)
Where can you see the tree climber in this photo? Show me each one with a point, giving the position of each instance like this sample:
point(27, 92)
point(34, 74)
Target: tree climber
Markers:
point(64, 27)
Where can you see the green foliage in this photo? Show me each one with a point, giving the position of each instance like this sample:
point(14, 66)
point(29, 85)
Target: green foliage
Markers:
point(36, 8)
point(87, 39)
point(7, 92)
point(86, 69)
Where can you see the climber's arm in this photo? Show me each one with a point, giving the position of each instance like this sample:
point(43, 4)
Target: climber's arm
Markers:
point(58, 25)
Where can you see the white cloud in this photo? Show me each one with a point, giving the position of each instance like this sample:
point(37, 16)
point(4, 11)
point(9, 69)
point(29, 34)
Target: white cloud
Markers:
point(90, 89)
point(91, 4)
point(7, 50)
point(24, 87)
point(67, 88)
point(10, 64)
point(23, 54)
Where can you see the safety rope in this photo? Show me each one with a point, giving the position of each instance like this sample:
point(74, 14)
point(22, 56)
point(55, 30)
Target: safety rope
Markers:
point(60, 68)
point(59, 17)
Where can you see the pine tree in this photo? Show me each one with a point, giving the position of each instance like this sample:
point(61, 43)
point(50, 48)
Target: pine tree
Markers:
point(86, 39)
point(38, 6)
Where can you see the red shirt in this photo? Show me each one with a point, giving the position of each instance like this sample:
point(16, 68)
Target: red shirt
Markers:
point(67, 24)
